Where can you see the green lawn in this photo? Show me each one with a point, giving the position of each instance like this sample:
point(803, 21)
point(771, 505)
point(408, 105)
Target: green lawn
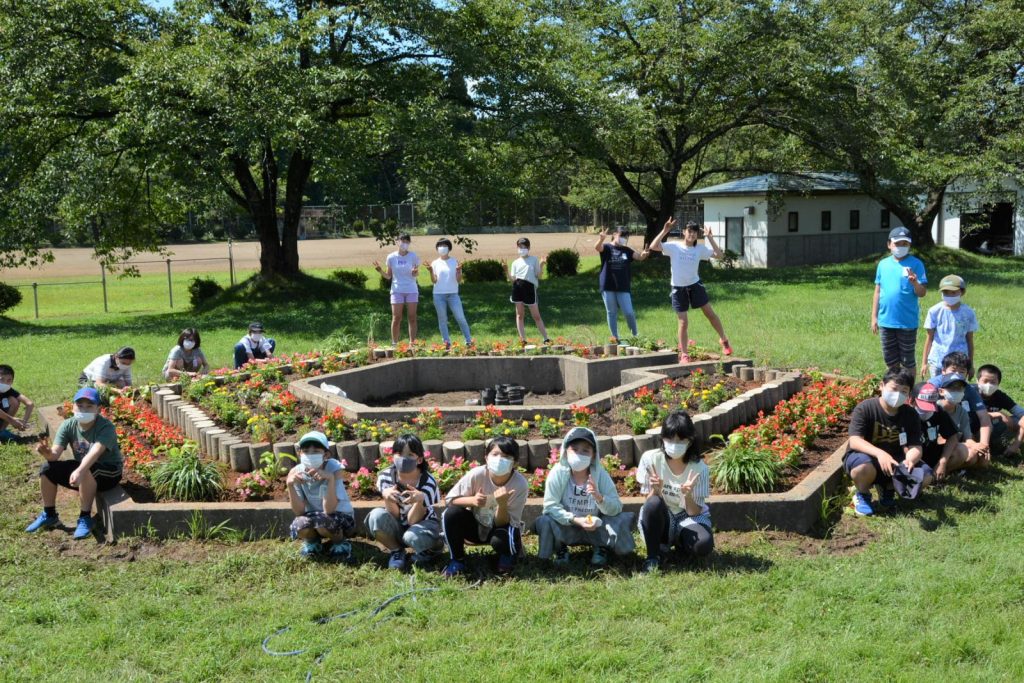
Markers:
point(935, 593)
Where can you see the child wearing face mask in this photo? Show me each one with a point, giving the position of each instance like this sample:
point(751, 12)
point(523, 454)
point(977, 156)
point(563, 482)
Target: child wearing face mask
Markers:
point(581, 505)
point(96, 465)
point(885, 435)
point(254, 347)
point(953, 390)
point(403, 267)
point(524, 273)
point(949, 326)
point(408, 518)
point(316, 492)
point(900, 281)
point(940, 439)
point(186, 358)
point(111, 370)
point(614, 279)
point(446, 274)
point(11, 401)
point(1006, 416)
point(676, 482)
point(486, 506)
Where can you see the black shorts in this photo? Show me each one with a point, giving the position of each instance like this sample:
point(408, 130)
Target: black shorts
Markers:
point(59, 472)
point(523, 292)
point(685, 298)
point(932, 454)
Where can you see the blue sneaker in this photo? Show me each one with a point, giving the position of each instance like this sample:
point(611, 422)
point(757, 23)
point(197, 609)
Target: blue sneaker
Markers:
point(600, 557)
point(862, 504)
point(397, 559)
point(651, 565)
point(342, 550)
point(887, 499)
point(561, 557)
point(311, 548)
point(422, 559)
point(43, 521)
point(506, 563)
point(84, 528)
point(454, 568)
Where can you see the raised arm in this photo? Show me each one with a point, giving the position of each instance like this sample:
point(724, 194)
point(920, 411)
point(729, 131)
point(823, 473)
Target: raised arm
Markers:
point(714, 245)
point(601, 237)
point(656, 243)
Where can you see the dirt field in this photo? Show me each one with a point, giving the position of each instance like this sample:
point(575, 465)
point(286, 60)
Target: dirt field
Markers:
point(331, 253)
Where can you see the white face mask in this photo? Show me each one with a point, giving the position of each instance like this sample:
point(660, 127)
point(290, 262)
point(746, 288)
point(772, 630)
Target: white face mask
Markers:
point(4, 388)
point(954, 396)
point(951, 300)
point(900, 252)
point(84, 417)
point(523, 251)
point(894, 399)
point(403, 247)
point(577, 462)
point(312, 459)
point(985, 388)
point(925, 415)
point(622, 241)
point(256, 337)
point(443, 251)
point(188, 345)
point(498, 466)
point(676, 449)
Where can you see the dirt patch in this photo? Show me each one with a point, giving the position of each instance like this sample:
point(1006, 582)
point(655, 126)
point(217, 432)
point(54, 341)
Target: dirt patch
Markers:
point(463, 398)
point(849, 536)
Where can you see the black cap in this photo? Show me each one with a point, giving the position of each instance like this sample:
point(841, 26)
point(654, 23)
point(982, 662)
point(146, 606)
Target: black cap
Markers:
point(255, 326)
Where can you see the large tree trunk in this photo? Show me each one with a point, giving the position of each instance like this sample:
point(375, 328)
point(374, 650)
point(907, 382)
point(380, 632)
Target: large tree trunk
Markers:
point(298, 174)
point(920, 222)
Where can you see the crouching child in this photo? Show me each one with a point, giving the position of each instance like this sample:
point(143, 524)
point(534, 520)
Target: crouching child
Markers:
point(316, 491)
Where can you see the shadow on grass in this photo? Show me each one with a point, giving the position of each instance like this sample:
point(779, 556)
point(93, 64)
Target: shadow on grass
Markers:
point(978, 491)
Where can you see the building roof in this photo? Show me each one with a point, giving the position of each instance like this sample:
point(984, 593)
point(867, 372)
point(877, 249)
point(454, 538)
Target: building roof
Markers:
point(805, 183)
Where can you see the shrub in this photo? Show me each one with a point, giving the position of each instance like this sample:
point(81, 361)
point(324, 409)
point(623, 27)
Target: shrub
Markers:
point(563, 262)
point(483, 270)
point(358, 226)
point(356, 279)
point(187, 477)
point(9, 297)
point(202, 289)
point(744, 469)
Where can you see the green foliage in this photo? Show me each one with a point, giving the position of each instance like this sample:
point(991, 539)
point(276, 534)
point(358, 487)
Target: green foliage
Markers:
point(353, 278)
point(563, 262)
point(744, 470)
point(9, 297)
point(200, 529)
point(186, 476)
point(202, 289)
point(483, 270)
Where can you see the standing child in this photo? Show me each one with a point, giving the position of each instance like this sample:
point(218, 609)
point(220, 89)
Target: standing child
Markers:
point(949, 326)
point(525, 274)
point(11, 402)
point(403, 267)
point(614, 278)
point(687, 289)
point(899, 282)
point(316, 492)
point(446, 274)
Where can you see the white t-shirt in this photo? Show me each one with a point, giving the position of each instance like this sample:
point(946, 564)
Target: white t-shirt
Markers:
point(99, 369)
point(251, 346)
point(445, 272)
point(685, 261)
point(477, 480)
point(401, 265)
point(526, 268)
point(576, 500)
point(313, 491)
point(671, 486)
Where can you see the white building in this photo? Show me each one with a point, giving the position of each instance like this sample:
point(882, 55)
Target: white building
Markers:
point(780, 220)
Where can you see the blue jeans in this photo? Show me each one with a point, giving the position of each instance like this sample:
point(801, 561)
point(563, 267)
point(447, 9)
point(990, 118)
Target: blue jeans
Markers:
point(615, 302)
point(442, 302)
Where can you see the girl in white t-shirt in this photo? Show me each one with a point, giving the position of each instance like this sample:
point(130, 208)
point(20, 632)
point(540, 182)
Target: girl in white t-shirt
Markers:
point(524, 273)
point(446, 274)
point(403, 266)
point(676, 482)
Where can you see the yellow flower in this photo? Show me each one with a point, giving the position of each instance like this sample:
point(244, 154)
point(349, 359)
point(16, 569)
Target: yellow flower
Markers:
point(561, 424)
point(664, 405)
point(643, 412)
point(537, 417)
point(526, 424)
point(507, 432)
point(551, 420)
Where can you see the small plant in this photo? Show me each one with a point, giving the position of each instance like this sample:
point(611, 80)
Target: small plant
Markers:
point(630, 483)
point(448, 474)
point(253, 486)
point(333, 425)
point(740, 468)
point(429, 424)
point(483, 270)
point(356, 279)
point(364, 481)
point(563, 262)
point(642, 419)
point(581, 415)
point(511, 428)
point(9, 297)
point(488, 417)
point(187, 477)
point(367, 430)
point(202, 289)
point(549, 428)
point(474, 433)
point(612, 463)
point(199, 529)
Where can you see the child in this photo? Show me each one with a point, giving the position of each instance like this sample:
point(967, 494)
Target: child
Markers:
point(316, 492)
point(675, 480)
point(446, 274)
point(11, 402)
point(940, 439)
point(952, 388)
point(408, 517)
point(111, 370)
point(581, 505)
point(885, 435)
point(949, 326)
point(899, 282)
point(525, 274)
point(996, 401)
point(96, 466)
point(957, 363)
point(486, 506)
point(186, 358)
point(403, 267)
point(687, 289)
point(254, 347)
point(614, 279)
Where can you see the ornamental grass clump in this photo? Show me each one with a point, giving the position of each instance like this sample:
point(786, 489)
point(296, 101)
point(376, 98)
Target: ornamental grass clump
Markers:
point(187, 477)
point(742, 468)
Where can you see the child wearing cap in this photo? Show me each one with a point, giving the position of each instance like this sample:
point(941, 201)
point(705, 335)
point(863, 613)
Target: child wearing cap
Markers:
point(111, 370)
point(254, 347)
point(96, 465)
point(899, 282)
point(941, 445)
point(581, 505)
point(486, 506)
point(408, 518)
point(885, 435)
point(446, 274)
point(952, 391)
point(403, 267)
point(687, 289)
point(11, 401)
point(675, 480)
point(1007, 417)
point(316, 492)
point(614, 279)
point(524, 273)
point(957, 363)
point(949, 326)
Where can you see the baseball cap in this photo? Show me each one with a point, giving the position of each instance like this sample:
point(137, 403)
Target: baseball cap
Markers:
point(578, 433)
point(89, 394)
point(908, 484)
point(255, 326)
point(943, 381)
point(925, 395)
point(899, 234)
point(952, 282)
point(314, 437)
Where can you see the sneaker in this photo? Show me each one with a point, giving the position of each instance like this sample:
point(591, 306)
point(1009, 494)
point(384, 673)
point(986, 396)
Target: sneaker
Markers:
point(447, 346)
point(454, 568)
point(862, 504)
point(600, 557)
point(547, 342)
point(888, 499)
point(726, 348)
point(561, 557)
point(506, 563)
point(397, 559)
point(84, 528)
point(651, 565)
point(311, 548)
point(684, 357)
point(421, 559)
point(43, 521)
point(522, 343)
point(342, 550)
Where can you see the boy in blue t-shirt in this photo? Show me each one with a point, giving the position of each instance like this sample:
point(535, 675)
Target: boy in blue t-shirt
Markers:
point(899, 282)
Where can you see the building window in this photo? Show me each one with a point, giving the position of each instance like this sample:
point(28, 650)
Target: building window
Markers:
point(794, 221)
point(854, 219)
point(885, 219)
point(826, 221)
point(734, 235)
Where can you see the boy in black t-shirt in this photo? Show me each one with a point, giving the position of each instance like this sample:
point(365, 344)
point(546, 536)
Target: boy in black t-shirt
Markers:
point(943, 451)
point(996, 401)
point(884, 432)
point(11, 402)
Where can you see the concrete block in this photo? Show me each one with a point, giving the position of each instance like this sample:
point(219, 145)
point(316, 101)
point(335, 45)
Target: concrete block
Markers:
point(369, 451)
point(540, 449)
point(224, 449)
point(475, 450)
point(348, 455)
point(434, 448)
point(239, 457)
point(623, 445)
point(642, 443)
point(285, 452)
point(453, 449)
point(605, 446)
point(256, 451)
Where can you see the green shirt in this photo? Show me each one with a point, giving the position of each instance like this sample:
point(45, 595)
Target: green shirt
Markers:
point(71, 434)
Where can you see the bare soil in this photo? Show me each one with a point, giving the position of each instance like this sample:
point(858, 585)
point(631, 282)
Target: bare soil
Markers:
point(461, 398)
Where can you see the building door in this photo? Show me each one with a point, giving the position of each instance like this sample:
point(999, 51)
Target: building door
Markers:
point(734, 235)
